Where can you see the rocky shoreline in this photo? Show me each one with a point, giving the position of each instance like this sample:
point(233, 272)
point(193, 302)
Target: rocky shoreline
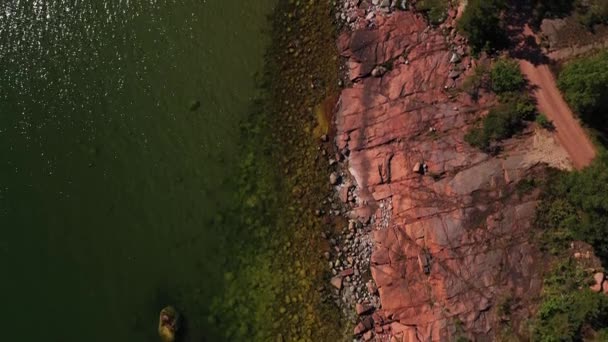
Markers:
point(436, 234)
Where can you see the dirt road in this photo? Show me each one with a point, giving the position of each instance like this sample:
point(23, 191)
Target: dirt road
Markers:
point(568, 129)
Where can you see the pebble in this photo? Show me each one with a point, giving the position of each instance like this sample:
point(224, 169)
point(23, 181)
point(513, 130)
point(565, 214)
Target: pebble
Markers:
point(334, 178)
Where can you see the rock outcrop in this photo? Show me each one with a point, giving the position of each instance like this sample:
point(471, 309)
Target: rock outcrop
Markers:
point(451, 226)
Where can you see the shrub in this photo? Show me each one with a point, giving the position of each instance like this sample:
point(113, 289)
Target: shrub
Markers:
point(567, 305)
point(551, 9)
point(436, 11)
point(592, 12)
point(502, 122)
point(476, 81)
point(584, 83)
point(481, 23)
point(544, 122)
point(506, 76)
point(588, 12)
point(576, 206)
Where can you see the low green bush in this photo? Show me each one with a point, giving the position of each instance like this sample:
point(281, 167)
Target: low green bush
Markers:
point(506, 119)
point(506, 76)
point(481, 23)
point(478, 80)
point(436, 11)
point(544, 122)
point(568, 305)
point(592, 12)
point(575, 206)
point(502, 122)
point(584, 83)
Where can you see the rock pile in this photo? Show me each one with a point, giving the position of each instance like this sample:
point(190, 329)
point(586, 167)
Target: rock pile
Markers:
point(357, 14)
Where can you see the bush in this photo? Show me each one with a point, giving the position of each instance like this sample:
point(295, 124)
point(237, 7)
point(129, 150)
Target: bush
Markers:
point(476, 81)
point(568, 305)
point(436, 11)
point(481, 23)
point(576, 204)
point(551, 9)
point(584, 83)
point(592, 12)
point(544, 122)
point(506, 76)
point(502, 122)
point(588, 12)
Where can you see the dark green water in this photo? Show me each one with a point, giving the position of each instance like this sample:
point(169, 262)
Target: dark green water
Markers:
point(110, 186)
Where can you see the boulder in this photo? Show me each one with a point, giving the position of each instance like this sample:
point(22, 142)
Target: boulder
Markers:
point(599, 280)
point(363, 309)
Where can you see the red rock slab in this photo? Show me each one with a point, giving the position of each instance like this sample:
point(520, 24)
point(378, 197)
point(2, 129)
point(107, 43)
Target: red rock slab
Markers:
point(457, 238)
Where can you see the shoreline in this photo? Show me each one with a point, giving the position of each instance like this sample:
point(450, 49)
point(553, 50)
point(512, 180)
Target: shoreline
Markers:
point(277, 289)
point(444, 218)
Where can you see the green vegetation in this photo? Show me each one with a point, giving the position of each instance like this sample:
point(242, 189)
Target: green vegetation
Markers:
point(551, 9)
point(506, 119)
point(476, 81)
point(482, 25)
point(544, 122)
point(436, 11)
point(588, 12)
point(506, 76)
point(568, 305)
point(576, 207)
point(584, 83)
point(592, 12)
point(526, 186)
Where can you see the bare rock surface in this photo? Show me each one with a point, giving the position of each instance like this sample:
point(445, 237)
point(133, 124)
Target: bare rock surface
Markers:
point(453, 237)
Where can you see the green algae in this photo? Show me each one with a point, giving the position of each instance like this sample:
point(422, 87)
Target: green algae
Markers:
point(272, 291)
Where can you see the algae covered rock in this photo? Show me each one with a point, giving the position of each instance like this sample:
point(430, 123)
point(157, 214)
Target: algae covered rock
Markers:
point(168, 324)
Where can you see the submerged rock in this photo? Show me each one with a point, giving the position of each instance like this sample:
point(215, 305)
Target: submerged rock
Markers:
point(168, 324)
point(194, 105)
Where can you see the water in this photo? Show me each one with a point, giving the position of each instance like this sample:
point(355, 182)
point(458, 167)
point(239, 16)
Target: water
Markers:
point(111, 180)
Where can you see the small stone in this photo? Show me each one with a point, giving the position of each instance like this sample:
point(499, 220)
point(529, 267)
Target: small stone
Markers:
point(455, 58)
point(324, 138)
point(371, 287)
point(417, 168)
point(454, 74)
point(363, 309)
point(359, 329)
point(368, 336)
point(326, 255)
point(343, 194)
point(347, 272)
point(379, 71)
point(334, 178)
point(336, 282)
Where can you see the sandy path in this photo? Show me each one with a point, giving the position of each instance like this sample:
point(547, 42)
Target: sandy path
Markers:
point(569, 132)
